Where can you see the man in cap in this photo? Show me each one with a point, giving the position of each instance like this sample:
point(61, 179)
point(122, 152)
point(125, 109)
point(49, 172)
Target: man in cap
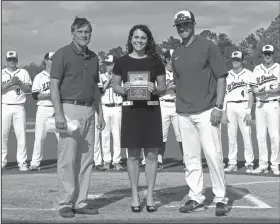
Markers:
point(41, 93)
point(112, 111)
point(200, 78)
point(168, 108)
point(265, 84)
point(237, 112)
point(15, 83)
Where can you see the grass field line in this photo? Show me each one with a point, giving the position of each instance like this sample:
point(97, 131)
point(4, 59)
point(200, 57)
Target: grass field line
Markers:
point(258, 182)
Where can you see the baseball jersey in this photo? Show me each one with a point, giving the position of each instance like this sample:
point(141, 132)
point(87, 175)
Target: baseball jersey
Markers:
point(169, 95)
point(14, 94)
point(108, 96)
point(266, 77)
point(237, 85)
point(41, 84)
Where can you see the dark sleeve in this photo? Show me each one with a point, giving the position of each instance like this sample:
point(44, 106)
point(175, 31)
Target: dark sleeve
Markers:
point(117, 69)
point(35, 95)
point(57, 70)
point(216, 61)
point(97, 78)
point(159, 68)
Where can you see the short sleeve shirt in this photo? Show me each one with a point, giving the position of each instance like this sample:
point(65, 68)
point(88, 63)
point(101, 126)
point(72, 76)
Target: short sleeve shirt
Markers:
point(41, 84)
point(196, 69)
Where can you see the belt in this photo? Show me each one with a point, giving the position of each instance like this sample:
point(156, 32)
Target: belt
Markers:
point(171, 101)
point(238, 101)
point(268, 101)
point(148, 103)
point(112, 104)
point(76, 102)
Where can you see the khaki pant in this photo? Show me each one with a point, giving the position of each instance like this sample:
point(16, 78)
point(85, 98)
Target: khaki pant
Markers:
point(75, 157)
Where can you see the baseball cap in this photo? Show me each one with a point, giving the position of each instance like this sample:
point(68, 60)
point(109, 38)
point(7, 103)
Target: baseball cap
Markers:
point(237, 54)
point(268, 48)
point(183, 17)
point(11, 54)
point(109, 59)
point(168, 53)
point(48, 55)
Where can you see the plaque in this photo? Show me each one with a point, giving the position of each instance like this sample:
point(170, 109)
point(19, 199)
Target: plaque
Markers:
point(139, 85)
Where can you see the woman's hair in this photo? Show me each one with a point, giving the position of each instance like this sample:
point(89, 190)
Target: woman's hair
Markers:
point(151, 46)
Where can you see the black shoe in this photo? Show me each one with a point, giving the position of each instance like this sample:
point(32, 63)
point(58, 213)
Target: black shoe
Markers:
point(66, 212)
point(86, 211)
point(159, 166)
point(151, 208)
point(135, 209)
point(192, 206)
point(100, 167)
point(221, 209)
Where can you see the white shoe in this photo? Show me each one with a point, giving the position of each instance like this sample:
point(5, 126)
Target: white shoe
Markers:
point(275, 171)
point(260, 170)
point(22, 167)
point(35, 168)
point(249, 169)
point(231, 168)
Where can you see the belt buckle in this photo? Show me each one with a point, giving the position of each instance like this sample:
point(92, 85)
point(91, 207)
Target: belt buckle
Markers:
point(152, 103)
point(127, 103)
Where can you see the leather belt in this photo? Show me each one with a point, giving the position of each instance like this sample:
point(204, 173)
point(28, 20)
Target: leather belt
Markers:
point(77, 102)
point(238, 101)
point(112, 104)
point(148, 103)
point(268, 101)
point(171, 101)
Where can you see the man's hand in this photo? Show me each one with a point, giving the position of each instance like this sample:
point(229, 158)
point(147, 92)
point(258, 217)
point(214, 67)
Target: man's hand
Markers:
point(100, 123)
point(224, 118)
point(60, 122)
point(248, 119)
point(260, 91)
point(216, 117)
point(151, 87)
point(15, 81)
point(126, 86)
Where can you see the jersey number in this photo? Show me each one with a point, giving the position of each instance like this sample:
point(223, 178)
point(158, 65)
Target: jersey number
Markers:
point(242, 93)
point(271, 86)
point(18, 91)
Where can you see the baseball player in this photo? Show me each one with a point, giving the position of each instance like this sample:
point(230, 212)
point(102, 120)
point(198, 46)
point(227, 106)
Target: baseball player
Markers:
point(112, 110)
point(45, 110)
point(15, 83)
point(237, 111)
point(265, 84)
point(168, 109)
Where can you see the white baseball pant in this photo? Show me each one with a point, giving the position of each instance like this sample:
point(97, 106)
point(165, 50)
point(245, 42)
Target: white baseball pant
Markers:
point(14, 114)
point(197, 131)
point(97, 149)
point(267, 118)
point(43, 113)
point(112, 117)
point(236, 113)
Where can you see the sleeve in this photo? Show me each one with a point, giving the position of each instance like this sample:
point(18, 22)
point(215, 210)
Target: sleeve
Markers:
point(57, 70)
point(252, 78)
point(100, 83)
point(117, 69)
point(27, 79)
point(159, 68)
point(249, 76)
point(216, 61)
point(36, 84)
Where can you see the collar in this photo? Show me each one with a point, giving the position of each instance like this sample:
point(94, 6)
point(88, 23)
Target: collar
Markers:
point(77, 51)
point(44, 72)
point(271, 67)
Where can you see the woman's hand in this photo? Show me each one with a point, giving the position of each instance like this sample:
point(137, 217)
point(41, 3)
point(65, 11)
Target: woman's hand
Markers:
point(126, 87)
point(151, 87)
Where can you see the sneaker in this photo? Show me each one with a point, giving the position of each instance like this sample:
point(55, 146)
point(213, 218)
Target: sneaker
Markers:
point(231, 168)
point(249, 169)
point(118, 167)
point(159, 166)
point(260, 170)
point(34, 168)
point(23, 167)
point(192, 206)
point(106, 166)
point(221, 209)
point(275, 171)
point(100, 167)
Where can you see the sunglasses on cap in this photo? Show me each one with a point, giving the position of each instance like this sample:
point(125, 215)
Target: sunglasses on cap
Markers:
point(237, 59)
point(12, 59)
point(267, 53)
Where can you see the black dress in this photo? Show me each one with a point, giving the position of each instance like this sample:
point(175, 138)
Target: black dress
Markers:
point(141, 125)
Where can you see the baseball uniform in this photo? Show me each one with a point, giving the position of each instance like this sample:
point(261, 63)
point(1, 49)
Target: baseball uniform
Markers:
point(267, 114)
point(237, 96)
point(45, 110)
point(13, 112)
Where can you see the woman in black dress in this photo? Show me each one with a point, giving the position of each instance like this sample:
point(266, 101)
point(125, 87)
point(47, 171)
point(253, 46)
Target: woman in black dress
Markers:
point(141, 122)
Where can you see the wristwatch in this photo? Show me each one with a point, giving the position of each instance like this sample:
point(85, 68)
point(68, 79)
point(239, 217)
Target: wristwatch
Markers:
point(219, 106)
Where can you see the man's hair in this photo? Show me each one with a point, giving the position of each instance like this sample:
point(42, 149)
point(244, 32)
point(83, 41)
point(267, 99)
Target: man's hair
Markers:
point(80, 22)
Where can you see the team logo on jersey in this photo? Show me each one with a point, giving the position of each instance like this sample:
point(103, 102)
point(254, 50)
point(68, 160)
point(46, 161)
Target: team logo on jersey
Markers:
point(264, 79)
point(235, 85)
point(46, 86)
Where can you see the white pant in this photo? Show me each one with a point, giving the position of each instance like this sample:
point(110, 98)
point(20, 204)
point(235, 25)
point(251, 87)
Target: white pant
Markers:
point(197, 131)
point(112, 117)
point(43, 113)
point(168, 116)
point(267, 118)
point(236, 113)
point(14, 114)
point(97, 149)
